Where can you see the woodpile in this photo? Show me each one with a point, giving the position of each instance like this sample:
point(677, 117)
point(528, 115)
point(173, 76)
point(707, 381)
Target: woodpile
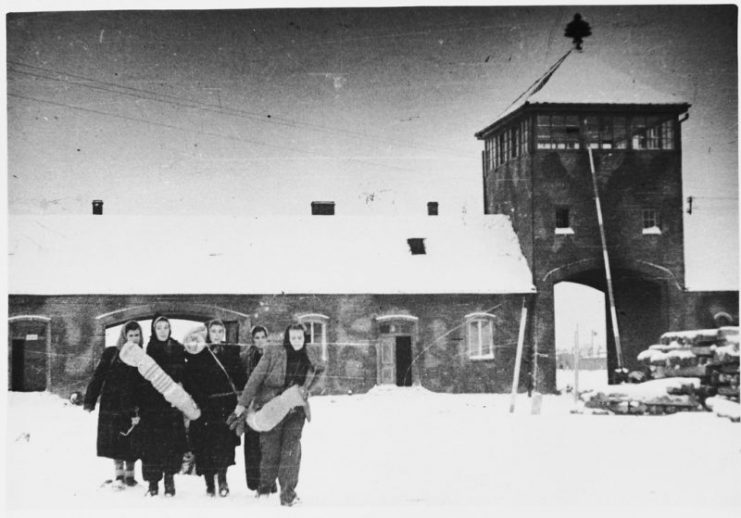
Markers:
point(689, 371)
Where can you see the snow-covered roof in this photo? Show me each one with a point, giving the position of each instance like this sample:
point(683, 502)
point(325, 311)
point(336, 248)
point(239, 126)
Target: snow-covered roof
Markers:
point(112, 254)
point(585, 78)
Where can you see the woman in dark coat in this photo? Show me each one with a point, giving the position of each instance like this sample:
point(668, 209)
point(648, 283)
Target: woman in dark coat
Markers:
point(160, 437)
point(280, 367)
point(113, 382)
point(208, 381)
point(251, 437)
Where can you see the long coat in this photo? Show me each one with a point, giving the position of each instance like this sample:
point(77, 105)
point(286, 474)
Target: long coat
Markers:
point(113, 382)
point(208, 381)
point(160, 436)
point(252, 453)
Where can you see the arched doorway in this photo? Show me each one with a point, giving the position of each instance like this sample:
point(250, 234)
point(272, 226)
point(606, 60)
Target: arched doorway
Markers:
point(183, 316)
point(647, 300)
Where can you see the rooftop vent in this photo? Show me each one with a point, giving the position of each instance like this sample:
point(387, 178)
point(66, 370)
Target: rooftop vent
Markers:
point(432, 207)
point(322, 208)
point(417, 245)
point(97, 207)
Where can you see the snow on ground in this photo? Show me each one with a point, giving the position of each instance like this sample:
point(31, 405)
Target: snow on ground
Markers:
point(413, 452)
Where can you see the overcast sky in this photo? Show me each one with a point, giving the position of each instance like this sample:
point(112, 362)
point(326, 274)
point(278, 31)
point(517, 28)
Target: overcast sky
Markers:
point(263, 111)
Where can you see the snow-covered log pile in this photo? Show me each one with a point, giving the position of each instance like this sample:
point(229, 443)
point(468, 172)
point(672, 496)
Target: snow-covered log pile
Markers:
point(658, 396)
point(693, 353)
point(708, 355)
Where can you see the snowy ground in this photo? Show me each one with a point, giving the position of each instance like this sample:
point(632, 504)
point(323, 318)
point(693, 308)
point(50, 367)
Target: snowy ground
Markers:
point(411, 452)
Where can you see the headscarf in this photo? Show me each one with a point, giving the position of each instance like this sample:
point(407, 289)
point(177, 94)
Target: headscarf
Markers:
point(195, 341)
point(131, 325)
point(297, 362)
point(153, 336)
point(214, 322)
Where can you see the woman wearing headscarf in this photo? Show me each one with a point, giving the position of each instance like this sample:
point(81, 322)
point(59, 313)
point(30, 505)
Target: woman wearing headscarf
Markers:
point(113, 382)
point(208, 381)
point(160, 436)
point(279, 368)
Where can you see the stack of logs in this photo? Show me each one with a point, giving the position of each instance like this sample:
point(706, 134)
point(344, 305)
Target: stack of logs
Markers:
point(689, 370)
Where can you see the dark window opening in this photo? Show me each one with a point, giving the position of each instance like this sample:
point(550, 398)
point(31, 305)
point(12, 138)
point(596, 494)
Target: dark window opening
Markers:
point(562, 217)
point(417, 245)
point(432, 208)
point(97, 207)
point(322, 208)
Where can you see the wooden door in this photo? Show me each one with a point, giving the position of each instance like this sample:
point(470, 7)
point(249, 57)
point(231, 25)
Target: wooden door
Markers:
point(387, 360)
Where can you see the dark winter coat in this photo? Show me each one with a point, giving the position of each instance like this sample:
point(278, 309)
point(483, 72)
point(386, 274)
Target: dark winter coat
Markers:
point(160, 436)
point(208, 382)
point(113, 381)
point(252, 453)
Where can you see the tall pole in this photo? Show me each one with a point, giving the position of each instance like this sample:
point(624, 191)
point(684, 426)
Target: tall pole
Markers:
point(576, 364)
point(518, 355)
point(608, 275)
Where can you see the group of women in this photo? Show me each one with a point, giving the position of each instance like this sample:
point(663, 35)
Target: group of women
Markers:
point(136, 422)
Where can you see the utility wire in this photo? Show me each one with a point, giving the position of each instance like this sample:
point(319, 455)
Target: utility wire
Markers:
point(215, 108)
point(200, 132)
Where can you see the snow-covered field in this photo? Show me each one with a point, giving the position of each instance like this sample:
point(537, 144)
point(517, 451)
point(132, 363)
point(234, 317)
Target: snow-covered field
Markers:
point(411, 452)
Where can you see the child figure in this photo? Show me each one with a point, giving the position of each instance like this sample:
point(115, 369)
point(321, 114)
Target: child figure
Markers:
point(208, 381)
point(113, 381)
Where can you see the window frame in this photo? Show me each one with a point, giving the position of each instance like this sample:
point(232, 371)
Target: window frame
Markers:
point(480, 319)
point(650, 215)
point(309, 321)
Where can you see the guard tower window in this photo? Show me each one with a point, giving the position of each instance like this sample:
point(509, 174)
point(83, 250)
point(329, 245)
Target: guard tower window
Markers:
point(417, 245)
point(562, 217)
point(652, 133)
point(650, 219)
point(322, 208)
point(509, 143)
point(558, 132)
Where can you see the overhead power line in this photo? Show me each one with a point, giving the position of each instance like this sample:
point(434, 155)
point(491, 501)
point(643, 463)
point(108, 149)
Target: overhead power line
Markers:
point(200, 132)
point(175, 100)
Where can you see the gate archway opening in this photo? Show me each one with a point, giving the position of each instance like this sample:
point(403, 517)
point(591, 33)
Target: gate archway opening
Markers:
point(580, 322)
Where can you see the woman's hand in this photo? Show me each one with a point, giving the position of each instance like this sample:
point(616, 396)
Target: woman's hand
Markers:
point(239, 410)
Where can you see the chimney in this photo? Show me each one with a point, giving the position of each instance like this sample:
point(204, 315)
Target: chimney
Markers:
point(322, 208)
point(97, 207)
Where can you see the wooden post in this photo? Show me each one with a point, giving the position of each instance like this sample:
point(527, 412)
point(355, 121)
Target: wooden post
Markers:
point(518, 355)
point(608, 274)
point(576, 365)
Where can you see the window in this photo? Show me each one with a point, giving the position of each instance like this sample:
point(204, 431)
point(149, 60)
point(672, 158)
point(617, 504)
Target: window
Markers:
point(509, 143)
point(652, 133)
point(322, 208)
point(316, 331)
point(480, 329)
point(432, 208)
point(558, 131)
point(650, 219)
point(417, 245)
